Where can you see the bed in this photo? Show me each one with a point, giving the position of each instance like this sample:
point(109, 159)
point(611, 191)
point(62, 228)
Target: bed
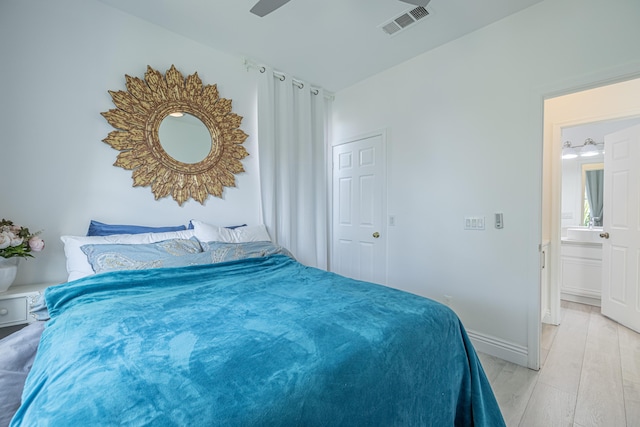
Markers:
point(241, 334)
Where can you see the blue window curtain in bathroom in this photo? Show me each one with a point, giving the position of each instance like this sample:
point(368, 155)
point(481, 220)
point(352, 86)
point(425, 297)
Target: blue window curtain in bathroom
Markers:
point(293, 140)
point(594, 181)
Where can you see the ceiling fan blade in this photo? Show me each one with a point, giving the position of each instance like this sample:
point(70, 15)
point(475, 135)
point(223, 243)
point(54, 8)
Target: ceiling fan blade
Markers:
point(422, 3)
point(265, 7)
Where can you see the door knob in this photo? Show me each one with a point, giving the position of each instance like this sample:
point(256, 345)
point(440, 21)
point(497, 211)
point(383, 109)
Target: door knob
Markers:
point(604, 235)
point(376, 235)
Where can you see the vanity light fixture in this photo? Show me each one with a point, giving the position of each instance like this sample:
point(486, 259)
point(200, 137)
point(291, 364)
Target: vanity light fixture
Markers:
point(568, 152)
point(176, 114)
point(588, 149)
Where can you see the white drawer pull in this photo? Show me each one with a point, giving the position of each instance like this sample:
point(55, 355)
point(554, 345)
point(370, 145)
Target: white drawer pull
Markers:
point(3, 311)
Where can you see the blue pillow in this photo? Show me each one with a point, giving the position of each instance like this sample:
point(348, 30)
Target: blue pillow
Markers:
point(100, 229)
point(114, 257)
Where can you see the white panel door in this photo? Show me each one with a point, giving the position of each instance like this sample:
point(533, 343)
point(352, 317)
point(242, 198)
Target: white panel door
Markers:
point(359, 241)
point(621, 249)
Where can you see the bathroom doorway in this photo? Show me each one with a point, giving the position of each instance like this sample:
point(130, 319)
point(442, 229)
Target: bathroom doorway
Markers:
point(566, 118)
point(582, 189)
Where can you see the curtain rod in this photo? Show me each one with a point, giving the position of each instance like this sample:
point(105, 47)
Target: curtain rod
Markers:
point(282, 77)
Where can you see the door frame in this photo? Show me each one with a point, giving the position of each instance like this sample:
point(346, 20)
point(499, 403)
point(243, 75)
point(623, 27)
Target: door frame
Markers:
point(382, 133)
point(554, 166)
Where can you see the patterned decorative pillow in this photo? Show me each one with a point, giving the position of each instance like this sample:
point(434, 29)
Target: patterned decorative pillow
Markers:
point(78, 265)
point(221, 252)
point(114, 257)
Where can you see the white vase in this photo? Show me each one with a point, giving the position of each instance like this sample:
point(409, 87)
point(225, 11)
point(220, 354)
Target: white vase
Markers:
point(8, 270)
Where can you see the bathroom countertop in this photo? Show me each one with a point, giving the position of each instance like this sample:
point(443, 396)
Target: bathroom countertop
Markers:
point(566, 240)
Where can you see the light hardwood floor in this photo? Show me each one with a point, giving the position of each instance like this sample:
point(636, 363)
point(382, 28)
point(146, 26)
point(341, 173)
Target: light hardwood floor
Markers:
point(590, 375)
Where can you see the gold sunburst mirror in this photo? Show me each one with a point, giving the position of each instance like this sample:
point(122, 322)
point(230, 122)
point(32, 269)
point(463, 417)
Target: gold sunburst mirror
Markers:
point(166, 155)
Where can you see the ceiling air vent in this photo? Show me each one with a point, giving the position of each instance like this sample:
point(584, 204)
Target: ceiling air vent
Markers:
point(401, 22)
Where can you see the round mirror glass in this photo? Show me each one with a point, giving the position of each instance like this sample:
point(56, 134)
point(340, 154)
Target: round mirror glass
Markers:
point(184, 137)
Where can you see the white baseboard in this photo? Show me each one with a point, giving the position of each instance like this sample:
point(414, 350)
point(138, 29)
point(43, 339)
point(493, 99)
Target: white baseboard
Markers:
point(497, 347)
point(546, 316)
point(581, 298)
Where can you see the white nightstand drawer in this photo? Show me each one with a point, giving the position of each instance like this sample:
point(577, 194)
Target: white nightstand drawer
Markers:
point(17, 302)
point(13, 310)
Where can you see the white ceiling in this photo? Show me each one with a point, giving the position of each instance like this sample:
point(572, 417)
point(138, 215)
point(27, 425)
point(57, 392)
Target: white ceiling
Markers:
point(329, 43)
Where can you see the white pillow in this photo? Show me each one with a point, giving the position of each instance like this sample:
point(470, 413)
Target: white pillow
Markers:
point(212, 233)
point(77, 263)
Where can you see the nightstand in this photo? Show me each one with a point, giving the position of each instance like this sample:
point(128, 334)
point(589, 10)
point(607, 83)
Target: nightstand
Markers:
point(16, 303)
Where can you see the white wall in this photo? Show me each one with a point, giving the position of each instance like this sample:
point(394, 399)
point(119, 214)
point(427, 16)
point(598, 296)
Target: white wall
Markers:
point(464, 129)
point(58, 60)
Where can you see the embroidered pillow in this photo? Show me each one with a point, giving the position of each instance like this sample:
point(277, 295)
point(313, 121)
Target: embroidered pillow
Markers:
point(77, 264)
point(222, 252)
point(166, 253)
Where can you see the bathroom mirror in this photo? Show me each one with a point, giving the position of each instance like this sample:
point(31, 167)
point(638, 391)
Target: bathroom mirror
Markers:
point(593, 194)
point(185, 164)
point(576, 210)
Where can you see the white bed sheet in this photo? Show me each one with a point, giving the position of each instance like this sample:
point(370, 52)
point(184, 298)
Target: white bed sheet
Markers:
point(17, 352)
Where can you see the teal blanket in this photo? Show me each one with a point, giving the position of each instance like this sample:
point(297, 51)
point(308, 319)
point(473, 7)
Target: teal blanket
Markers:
point(256, 342)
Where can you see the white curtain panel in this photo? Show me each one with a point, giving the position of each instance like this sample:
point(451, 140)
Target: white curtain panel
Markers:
point(293, 140)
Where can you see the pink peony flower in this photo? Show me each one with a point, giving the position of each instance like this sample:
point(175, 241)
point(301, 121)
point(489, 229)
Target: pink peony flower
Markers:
point(36, 244)
point(5, 240)
point(18, 241)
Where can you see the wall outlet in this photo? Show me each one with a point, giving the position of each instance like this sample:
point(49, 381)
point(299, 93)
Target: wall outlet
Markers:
point(392, 220)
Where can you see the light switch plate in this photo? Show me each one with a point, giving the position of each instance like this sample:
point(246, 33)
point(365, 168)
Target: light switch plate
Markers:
point(474, 223)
